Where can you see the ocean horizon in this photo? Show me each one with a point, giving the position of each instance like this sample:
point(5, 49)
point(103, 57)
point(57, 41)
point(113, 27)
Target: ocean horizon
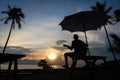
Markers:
point(28, 66)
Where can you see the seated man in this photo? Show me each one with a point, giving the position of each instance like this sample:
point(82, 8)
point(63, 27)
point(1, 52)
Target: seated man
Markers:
point(80, 50)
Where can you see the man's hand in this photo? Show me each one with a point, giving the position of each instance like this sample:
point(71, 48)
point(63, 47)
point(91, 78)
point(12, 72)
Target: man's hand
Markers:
point(69, 47)
point(65, 45)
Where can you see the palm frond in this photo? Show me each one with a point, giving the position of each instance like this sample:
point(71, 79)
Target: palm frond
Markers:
point(6, 12)
point(19, 24)
point(108, 10)
point(15, 15)
point(93, 8)
point(9, 7)
point(21, 15)
point(7, 20)
point(117, 15)
point(117, 44)
point(98, 5)
point(115, 37)
point(116, 41)
point(101, 7)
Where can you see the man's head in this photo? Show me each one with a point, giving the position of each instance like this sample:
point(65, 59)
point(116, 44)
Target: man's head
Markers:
point(75, 36)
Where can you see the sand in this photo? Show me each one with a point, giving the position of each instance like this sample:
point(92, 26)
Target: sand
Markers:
point(64, 74)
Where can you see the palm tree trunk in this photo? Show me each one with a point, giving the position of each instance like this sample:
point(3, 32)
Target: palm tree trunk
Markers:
point(87, 43)
point(12, 25)
point(7, 39)
point(110, 44)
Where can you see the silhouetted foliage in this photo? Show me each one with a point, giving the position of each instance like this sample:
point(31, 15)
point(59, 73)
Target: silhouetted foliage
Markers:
point(44, 65)
point(117, 15)
point(15, 16)
point(101, 7)
point(116, 42)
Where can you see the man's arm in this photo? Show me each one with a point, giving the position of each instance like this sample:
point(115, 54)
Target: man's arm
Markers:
point(69, 47)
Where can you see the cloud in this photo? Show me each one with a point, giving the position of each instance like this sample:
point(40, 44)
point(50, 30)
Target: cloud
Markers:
point(59, 42)
point(60, 48)
point(16, 50)
point(30, 53)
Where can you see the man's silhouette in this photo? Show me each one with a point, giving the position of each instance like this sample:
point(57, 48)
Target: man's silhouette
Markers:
point(80, 50)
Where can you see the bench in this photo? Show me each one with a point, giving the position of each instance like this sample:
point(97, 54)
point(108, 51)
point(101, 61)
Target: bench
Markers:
point(90, 60)
point(10, 58)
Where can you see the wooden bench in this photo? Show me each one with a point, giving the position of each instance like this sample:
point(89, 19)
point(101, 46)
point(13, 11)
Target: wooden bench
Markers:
point(10, 58)
point(90, 60)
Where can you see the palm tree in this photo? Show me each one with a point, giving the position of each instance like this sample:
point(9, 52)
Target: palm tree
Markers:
point(15, 16)
point(117, 16)
point(116, 41)
point(101, 7)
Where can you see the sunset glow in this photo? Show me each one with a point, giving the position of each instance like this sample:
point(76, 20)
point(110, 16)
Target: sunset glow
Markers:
point(42, 36)
point(52, 56)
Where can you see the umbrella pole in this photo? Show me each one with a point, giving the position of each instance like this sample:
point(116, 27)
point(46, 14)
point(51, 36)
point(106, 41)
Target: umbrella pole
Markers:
point(110, 44)
point(87, 43)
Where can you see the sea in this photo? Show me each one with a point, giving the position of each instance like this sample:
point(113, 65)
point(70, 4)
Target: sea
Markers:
point(30, 66)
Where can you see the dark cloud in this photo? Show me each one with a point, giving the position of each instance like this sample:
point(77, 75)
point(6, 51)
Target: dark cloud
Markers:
point(16, 50)
point(60, 48)
point(59, 42)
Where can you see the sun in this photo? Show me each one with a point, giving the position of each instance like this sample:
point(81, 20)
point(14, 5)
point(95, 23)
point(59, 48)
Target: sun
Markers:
point(52, 56)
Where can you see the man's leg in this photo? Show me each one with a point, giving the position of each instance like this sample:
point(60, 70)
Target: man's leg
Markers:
point(74, 61)
point(66, 59)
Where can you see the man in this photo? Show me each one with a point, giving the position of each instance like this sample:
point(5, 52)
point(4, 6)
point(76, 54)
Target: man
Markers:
point(80, 50)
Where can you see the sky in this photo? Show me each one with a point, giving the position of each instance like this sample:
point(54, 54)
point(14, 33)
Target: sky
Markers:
point(41, 33)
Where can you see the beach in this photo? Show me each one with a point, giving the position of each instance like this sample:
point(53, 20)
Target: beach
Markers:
point(102, 73)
